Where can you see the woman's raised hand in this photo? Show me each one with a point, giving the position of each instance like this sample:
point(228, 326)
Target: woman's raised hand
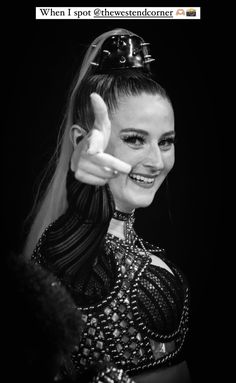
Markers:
point(89, 162)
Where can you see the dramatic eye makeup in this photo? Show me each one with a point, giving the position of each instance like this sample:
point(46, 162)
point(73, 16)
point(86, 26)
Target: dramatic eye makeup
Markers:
point(133, 139)
point(136, 138)
point(165, 143)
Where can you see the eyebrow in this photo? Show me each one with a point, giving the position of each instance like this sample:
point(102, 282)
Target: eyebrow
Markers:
point(145, 133)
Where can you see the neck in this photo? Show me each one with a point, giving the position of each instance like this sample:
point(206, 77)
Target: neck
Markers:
point(117, 225)
point(117, 228)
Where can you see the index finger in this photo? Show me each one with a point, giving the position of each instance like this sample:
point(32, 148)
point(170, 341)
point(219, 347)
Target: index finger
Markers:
point(107, 160)
point(100, 112)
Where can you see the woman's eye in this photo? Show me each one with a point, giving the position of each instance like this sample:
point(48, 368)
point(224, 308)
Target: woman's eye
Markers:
point(134, 140)
point(167, 143)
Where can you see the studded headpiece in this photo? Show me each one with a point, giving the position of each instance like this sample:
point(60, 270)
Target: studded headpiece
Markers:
point(122, 52)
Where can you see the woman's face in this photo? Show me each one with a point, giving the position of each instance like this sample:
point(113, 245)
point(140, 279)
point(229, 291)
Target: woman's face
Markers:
point(142, 134)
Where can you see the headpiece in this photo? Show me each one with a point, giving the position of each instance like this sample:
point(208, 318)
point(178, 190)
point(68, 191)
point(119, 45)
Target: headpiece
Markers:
point(122, 52)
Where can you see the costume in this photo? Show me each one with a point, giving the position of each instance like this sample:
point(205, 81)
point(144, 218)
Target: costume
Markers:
point(135, 314)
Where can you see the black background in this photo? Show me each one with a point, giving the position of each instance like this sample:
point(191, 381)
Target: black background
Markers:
point(43, 58)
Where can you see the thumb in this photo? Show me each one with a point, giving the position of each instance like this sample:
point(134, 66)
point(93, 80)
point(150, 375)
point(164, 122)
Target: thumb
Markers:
point(100, 111)
point(95, 142)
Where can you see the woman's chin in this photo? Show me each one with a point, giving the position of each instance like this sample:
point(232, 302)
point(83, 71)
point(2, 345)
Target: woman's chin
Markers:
point(137, 203)
point(128, 200)
point(143, 204)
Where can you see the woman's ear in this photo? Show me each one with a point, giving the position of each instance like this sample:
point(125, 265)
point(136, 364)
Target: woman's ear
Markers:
point(76, 134)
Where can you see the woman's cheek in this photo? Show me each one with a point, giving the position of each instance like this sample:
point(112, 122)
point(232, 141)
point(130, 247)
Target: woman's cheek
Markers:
point(120, 149)
point(132, 156)
point(169, 160)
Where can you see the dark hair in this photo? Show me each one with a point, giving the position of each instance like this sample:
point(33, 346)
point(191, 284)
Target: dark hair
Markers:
point(111, 87)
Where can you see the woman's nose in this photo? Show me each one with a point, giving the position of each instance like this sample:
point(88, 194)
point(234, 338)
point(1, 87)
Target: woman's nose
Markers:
point(154, 158)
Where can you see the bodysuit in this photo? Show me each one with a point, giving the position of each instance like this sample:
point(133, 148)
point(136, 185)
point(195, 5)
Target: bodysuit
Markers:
point(135, 314)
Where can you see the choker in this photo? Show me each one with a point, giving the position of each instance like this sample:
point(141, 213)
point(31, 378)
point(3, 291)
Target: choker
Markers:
point(122, 216)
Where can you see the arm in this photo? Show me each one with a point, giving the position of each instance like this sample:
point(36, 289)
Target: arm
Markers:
point(75, 238)
point(71, 245)
point(90, 203)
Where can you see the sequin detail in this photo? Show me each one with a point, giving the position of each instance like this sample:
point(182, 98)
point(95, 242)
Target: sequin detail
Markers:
point(135, 314)
point(119, 330)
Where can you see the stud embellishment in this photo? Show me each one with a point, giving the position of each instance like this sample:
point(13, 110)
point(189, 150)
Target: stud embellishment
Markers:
point(123, 52)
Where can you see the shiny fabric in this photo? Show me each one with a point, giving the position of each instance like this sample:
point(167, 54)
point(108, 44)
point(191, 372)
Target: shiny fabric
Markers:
point(120, 52)
point(135, 314)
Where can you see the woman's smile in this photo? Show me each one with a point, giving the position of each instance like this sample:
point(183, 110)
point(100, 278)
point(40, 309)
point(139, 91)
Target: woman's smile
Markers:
point(142, 180)
point(142, 135)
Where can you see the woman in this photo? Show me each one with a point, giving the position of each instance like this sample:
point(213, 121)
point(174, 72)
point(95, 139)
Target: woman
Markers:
point(117, 149)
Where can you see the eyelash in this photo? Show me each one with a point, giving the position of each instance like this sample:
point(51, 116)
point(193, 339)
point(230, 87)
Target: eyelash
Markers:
point(166, 142)
point(133, 137)
point(169, 141)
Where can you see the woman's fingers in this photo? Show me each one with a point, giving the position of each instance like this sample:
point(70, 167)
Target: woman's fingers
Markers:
point(100, 168)
point(101, 131)
point(96, 142)
point(89, 162)
point(108, 161)
point(90, 179)
point(100, 111)
point(103, 161)
point(98, 171)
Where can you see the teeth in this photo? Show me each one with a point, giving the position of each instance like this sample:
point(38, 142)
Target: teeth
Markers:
point(136, 177)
